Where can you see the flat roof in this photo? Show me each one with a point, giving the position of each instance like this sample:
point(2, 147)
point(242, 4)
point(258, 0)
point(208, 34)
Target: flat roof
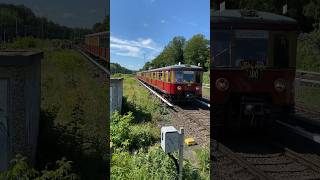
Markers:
point(19, 57)
point(97, 34)
point(232, 19)
point(12, 53)
point(181, 66)
point(242, 15)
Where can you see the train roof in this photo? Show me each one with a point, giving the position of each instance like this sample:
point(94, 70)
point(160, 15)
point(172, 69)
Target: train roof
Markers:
point(241, 18)
point(181, 66)
point(98, 34)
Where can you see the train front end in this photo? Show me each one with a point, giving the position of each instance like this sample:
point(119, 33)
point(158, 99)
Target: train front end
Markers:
point(187, 83)
point(252, 67)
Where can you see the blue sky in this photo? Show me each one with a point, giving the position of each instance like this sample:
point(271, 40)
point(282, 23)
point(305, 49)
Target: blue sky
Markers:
point(141, 28)
point(72, 13)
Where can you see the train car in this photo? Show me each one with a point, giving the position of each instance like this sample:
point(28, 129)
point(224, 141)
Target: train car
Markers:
point(253, 57)
point(178, 82)
point(97, 44)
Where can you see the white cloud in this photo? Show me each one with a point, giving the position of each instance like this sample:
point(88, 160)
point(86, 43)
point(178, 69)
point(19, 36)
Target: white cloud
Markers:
point(193, 24)
point(145, 25)
point(163, 21)
point(133, 48)
point(152, 1)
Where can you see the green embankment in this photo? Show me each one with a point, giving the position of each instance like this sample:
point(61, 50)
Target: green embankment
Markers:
point(136, 135)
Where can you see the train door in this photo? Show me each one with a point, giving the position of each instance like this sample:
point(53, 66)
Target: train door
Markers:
point(162, 79)
point(4, 138)
point(102, 46)
point(169, 82)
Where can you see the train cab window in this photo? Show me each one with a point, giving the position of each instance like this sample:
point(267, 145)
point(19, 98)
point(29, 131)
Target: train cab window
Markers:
point(179, 76)
point(221, 48)
point(185, 76)
point(252, 51)
point(281, 52)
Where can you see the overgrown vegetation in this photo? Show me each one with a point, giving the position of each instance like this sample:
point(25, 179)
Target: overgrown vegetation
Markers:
point(135, 137)
point(308, 55)
point(19, 169)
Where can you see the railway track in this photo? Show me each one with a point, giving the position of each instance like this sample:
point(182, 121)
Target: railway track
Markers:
point(307, 78)
point(263, 160)
point(194, 117)
point(101, 65)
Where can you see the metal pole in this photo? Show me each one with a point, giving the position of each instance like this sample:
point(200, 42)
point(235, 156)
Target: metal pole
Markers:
point(181, 153)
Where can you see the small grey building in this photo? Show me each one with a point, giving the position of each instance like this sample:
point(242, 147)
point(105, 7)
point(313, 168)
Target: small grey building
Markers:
point(116, 93)
point(20, 82)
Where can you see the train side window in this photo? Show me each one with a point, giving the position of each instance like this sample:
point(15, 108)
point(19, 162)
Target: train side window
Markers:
point(281, 51)
point(160, 75)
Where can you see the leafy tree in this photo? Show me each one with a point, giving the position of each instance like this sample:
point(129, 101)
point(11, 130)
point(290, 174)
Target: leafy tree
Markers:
point(196, 50)
point(117, 68)
point(175, 49)
point(100, 27)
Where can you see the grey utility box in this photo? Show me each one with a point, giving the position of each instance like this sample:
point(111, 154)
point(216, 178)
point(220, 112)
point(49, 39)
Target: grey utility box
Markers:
point(116, 93)
point(20, 82)
point(170, 139)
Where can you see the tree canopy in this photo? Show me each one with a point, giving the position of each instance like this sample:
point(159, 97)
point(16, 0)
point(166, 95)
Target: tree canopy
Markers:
point(19, 21)
point(193, 51)
point(117, 68)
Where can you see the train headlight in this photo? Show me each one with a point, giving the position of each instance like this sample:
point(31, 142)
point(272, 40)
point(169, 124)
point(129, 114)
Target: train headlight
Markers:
point(222, 84)
point(197, 88)
point(179, 88)
point(280, 85)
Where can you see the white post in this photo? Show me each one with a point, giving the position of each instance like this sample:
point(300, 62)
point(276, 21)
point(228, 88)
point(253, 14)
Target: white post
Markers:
point(181, 153)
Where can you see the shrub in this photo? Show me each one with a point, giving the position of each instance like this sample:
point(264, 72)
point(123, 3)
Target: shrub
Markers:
point(19, 169)
point(120, 127)
point(150, 164)
point(203, 156)
point(126, 135)
point(142, 136)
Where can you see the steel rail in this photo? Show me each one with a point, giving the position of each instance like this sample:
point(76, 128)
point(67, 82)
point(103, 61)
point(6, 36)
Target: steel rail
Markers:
point(94, 62)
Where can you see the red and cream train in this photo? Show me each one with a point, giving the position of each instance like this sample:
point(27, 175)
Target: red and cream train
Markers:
point(177, 82)
point(253, 67)
point(97, 44)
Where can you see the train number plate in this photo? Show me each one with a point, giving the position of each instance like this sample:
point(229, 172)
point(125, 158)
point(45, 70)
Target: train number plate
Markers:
point(254, 73)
